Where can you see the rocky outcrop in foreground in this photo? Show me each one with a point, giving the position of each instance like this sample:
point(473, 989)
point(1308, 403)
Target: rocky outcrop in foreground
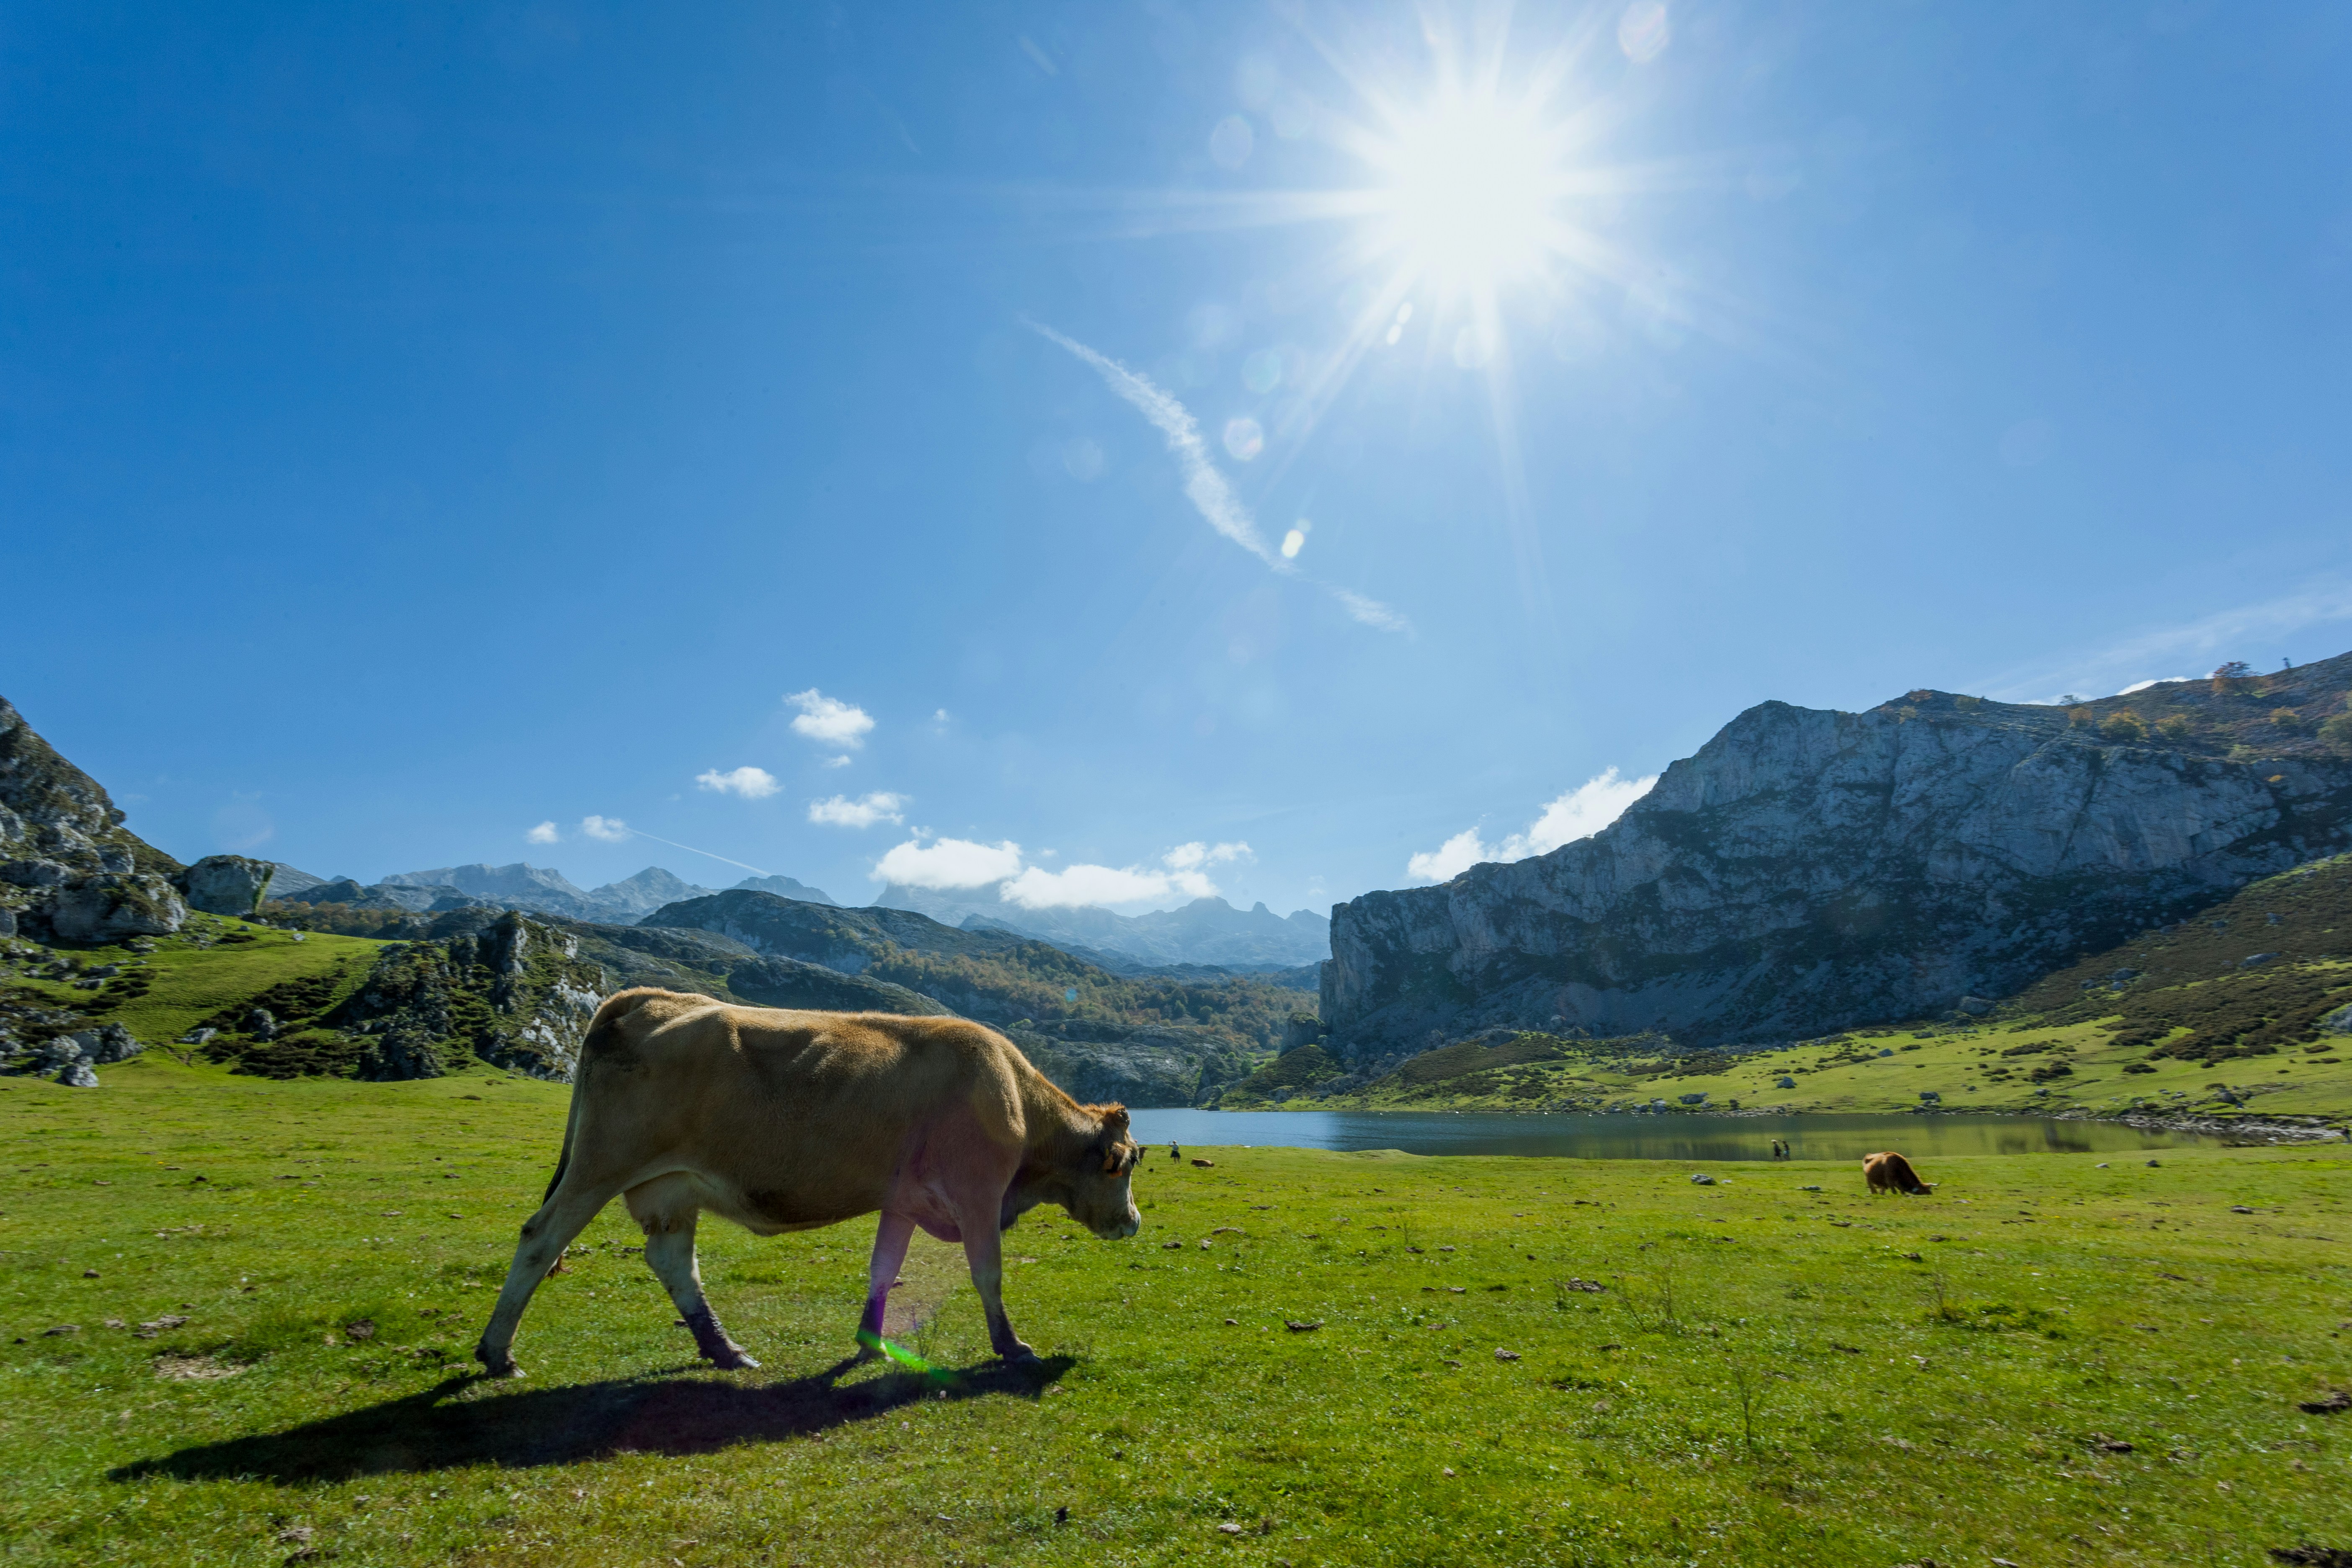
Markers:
point(1809, 871)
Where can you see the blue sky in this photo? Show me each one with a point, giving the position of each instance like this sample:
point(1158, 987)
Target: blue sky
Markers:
point(418, 425)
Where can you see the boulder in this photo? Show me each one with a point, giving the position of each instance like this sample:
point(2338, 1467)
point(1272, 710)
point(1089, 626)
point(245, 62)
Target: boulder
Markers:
point(1975, 1007)
point(35, 873)
point(106, 1044)
point(113, 905)
point(227, 884)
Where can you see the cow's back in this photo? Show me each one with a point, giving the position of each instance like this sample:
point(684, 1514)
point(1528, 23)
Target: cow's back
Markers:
point(806, 1114)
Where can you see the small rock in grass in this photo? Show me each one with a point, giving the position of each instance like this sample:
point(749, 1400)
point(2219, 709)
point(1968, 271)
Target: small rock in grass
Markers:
point(1210, 1165)
point(1913, 1256)
point(361, 1329)
point(295, 1535)
point(2327, 1404)
point(2115, 1446)
point(1233, 1322)
point(116, 1323)
point(61, 1328)
point(89, 1273)
point(2154, 1164)
point(1297, 1328)
point(1502, 1354)
point(1229, 1527)
point(2240, 1208)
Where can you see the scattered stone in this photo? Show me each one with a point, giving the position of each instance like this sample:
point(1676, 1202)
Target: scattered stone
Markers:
point(1170, 1246)
point(1210, 1165)
point(1701, 1179)
point(1502, 1354)
point(2240, 1208)
point(61, 1328)
point(2152, 1164)
point(2115, 1446)
point(1298, 1328)
point(2327, 1404)
point(1229, 1527)
point(362, 1330)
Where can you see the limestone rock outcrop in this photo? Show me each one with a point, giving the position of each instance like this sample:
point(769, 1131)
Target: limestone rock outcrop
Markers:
point(227, 884)
point(69, 870)
point(1810, 870)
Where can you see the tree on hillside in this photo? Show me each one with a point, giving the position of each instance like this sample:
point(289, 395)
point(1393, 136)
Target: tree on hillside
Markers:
point(2236, 670)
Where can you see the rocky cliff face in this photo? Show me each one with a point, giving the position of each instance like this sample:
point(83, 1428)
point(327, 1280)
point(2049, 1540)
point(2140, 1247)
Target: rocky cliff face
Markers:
point(1809, 870)
point(69, 870)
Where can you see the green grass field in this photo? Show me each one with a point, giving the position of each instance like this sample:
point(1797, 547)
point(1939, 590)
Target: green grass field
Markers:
point(1767, 1376)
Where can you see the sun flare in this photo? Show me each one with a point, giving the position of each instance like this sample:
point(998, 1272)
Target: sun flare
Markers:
point(1472, 185)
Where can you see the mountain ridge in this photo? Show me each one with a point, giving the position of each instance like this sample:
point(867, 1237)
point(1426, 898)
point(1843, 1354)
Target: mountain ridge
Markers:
point(1809, 870)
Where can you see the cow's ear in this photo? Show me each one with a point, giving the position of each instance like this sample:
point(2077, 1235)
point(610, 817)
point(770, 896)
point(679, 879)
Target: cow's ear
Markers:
point(1114, 1119)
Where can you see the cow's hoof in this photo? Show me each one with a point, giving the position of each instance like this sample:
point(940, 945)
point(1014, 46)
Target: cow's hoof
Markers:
point(1018, 1354)
point(732, 1359)
point(497, 1365)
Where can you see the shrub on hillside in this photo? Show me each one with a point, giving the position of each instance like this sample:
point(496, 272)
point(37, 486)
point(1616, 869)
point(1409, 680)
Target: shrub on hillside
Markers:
point(2123, 724)
point(2173, 727)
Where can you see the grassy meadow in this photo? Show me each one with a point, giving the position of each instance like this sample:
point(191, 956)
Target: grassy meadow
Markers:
point(274, 1287)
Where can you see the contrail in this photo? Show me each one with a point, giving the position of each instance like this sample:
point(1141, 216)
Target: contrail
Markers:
point(1211, 493)
point(692, 850)
point(1203, 484)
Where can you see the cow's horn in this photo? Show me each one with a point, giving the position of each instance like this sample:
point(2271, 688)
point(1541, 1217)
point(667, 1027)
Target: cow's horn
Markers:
point(1114, 1118)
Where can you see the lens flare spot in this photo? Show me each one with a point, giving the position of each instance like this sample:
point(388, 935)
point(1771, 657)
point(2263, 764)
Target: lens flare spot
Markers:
point(1643, 32)
point(1245, 437)
point(1262, 372)
point(1292, 543)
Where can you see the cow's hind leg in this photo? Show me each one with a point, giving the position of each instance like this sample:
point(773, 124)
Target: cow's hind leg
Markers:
point(545, 1235)
point(983, 1249)
point(666, 1210)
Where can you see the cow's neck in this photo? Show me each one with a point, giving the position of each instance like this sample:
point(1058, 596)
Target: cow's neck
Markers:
point(1059, 1132)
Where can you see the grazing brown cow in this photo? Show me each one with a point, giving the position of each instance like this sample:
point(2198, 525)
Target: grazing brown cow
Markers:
point(789, 1120)
point(1891, 1172)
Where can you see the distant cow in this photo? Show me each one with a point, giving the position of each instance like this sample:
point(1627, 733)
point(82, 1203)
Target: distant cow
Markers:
point(790, 1120)
point(1891, 1172)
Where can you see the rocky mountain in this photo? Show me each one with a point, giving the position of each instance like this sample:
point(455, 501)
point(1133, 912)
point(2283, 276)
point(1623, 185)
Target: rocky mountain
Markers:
point(640, 895)
point(69, 870)
point(1205, 931)
point(518, 886)
point(1809, 870)
point(786, 888)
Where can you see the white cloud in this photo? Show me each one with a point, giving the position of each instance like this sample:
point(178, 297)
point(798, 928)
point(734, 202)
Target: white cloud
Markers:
point(751, 784)
point(543, 834)
point(1181, 872)
point(863, 812)
point(1579, 814)
point(1195, 855)
point(610, 829)
point(949, 863)
point(829, 720)
point(836, 762)
point(1038, 889)
point(2159, 680)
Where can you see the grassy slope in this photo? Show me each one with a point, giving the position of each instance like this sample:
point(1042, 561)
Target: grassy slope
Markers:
point(2138, 1308)
point(187, 983)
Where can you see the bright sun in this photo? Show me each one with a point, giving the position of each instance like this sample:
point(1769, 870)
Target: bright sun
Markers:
point(1470, 192)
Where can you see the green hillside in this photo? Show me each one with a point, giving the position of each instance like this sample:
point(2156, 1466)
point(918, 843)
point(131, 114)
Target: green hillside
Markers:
point(264, 1296)
point(2237, 1013)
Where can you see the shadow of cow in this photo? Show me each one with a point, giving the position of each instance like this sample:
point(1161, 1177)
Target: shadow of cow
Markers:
point(442, 1429)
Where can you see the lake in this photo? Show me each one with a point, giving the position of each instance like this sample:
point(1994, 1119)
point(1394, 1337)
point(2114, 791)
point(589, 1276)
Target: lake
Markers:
point(1651, 1137)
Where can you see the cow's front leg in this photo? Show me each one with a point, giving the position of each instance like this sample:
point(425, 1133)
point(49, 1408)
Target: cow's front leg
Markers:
point(669, 1252)
point(890, 1238)
point(984, 1248)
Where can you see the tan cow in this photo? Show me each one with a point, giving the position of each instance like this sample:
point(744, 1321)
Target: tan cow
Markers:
point(789, 1120)
point(1891, 1172)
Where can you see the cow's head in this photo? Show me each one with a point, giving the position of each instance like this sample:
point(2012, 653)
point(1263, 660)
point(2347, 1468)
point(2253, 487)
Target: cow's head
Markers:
point(1084, 1165)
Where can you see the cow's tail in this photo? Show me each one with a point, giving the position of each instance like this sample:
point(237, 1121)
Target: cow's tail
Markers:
point(597, 1042)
